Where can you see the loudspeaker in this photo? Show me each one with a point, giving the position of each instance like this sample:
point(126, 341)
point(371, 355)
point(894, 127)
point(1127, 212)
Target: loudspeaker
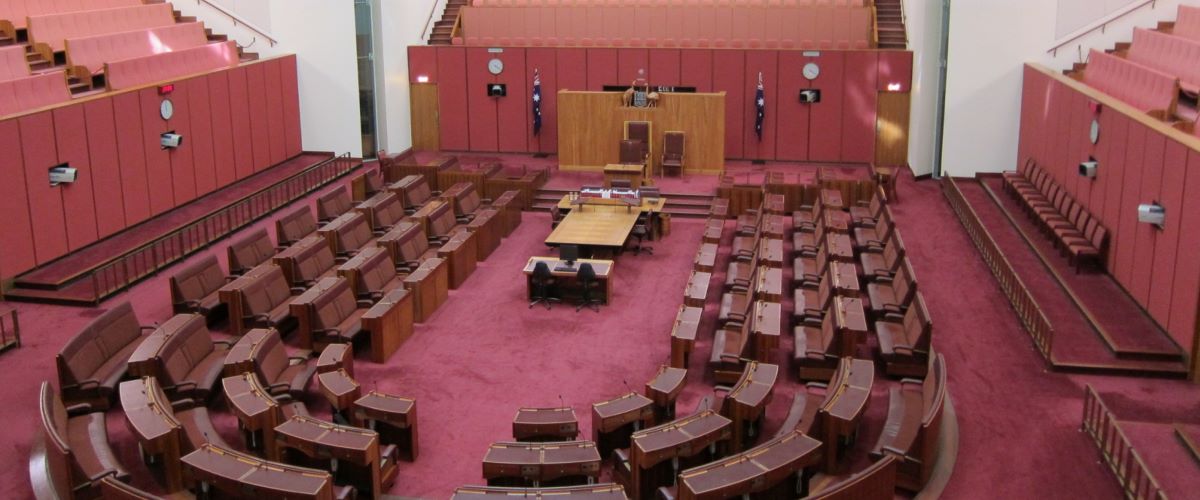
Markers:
point(497, 90)
point(810, 96)
point(1088, 169)
point(171, 140)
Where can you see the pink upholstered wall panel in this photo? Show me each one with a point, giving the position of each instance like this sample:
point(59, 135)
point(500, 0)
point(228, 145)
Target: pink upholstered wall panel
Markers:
point(1185, 296)
point(291, 106)
point(825, 135)
point(16, 253)
point(256, 85)
point(78, 199)
point(1147, 236)
point(664, 67)
point(729, 74)
point(38, 148)
point(127, 110)
point(452, 98)
point(158, 162)
point(1166, 246)
point(239, 106)
point(513, 110)
point(1113, 156)
point(601, 68)
point(422, 61)
point(481, 109)
point(792, 129)
point(201, 137)
point(1079, 148)
point(105, 166)
point(222, 125)
point(767, 63)
point(629, 61)
point(275, 114)
point(1131, 195)
point(696, 70)
point(544, 59)
point(859, 105)
point(572, 69)
point(183, 168)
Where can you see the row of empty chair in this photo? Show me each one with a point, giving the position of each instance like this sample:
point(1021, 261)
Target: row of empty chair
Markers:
point(688, 3)
point(1146, 89)
point(49, 33)
point(33, 92)
point(15, 13)
point(1071, 226)
point(670, 26)
point(1187, 22)
point(1169, 54)
point(86, 55)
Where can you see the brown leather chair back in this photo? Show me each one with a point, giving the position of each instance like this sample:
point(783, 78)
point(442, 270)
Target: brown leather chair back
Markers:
point(388, 212)
point(638, 131)
point(185, 349)
point(418, 192)
point(270, 358)
point(295, 226)
point(334, 203)
point(632, 152)
point(197, 281)
point(311, 263)
point(441, 221)
point(266, 293)
point(905, 284)
point(376, 271)
point(374, 181)
point(54, 437)
point(468, 202)
point(673, 146)
point(333, 305)
point(918, 326)
point(353, 235)
point(100, 340)
point(252, 250)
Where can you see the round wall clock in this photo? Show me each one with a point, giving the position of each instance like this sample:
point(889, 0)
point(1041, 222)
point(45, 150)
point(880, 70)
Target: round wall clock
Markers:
point(167, 109)
point(812, 71)
point(1094, 133)
point(495, 66)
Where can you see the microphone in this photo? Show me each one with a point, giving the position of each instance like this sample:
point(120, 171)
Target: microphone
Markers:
point(560, 401)
point(623, 381)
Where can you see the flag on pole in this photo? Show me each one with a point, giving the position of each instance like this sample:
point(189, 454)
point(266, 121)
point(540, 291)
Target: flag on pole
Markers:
point(537, 101)
point(760, 104)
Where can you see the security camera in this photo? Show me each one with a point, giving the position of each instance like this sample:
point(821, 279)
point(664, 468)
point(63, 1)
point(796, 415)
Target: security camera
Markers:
point(1152, 213)
point(1088, 169)
point(62, 174)
point(810, 96)
point(171, 140)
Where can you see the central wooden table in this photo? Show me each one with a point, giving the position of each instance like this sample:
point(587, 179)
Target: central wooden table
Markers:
point(594, 229)
point(603, 268)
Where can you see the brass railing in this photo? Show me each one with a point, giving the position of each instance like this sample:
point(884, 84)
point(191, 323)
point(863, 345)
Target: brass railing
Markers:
point(162, 252)
point(1031, 316)
point(1118, 453)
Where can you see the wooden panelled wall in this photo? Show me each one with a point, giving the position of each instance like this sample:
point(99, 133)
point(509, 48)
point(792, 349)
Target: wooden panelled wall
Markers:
point(1140, 160)
point(592, 126)
point(841, 128)
point(234, 123)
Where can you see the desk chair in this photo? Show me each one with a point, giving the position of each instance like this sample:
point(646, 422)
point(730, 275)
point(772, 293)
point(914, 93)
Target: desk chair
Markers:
point(542, 282)
point(587, 282)
point(622, 184)
point(556, 216)
point(641, 231)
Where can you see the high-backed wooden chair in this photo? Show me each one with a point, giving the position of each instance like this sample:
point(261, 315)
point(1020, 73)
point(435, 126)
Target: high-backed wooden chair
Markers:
point(673, 153)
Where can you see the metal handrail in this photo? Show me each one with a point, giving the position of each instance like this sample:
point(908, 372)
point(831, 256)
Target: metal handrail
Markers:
point(239, 20)
point(1098, 25)
point(426, 33)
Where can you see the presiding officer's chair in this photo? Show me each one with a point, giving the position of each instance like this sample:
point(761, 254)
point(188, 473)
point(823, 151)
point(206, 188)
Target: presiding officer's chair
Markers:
point(633, 152)
point(587, 284)
point(672, 158)
point(543, 282)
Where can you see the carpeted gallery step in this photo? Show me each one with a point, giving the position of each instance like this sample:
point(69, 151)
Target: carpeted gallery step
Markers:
point(90, 274)
point(678, 205)
point(1078, 345)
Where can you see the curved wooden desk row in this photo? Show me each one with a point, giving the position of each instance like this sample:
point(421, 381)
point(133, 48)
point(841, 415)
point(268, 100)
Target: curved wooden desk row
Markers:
point(615, 420)
point(746, 404)
point(913, 426)
point(590, 492)
point(535, 464)
point(773, 469)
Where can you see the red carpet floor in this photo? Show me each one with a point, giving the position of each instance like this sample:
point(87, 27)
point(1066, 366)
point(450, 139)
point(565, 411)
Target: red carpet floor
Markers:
point(484, 354)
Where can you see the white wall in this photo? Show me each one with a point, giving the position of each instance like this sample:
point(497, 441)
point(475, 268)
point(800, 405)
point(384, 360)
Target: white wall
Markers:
point(990, 41)
point(400, 24)
point(923, 20)
point(321, 34)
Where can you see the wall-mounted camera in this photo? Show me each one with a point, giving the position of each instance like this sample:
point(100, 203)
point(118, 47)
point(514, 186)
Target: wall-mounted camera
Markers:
point(810, 96)
point(1088, 168)
point(63, 174)
point(171, 140)
point(1152, 213)
point(497, 90)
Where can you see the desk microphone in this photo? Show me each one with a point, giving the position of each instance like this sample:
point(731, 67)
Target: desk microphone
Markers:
point(623, 381)
point(560, 401)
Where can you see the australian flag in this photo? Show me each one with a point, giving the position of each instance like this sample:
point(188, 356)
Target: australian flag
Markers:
point(760, 105)
point(537, 102)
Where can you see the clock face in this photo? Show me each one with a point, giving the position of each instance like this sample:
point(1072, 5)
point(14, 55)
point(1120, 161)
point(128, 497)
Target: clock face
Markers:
point(167, 109)
point(812, 71)
point(1094, 133)
point(495, 66)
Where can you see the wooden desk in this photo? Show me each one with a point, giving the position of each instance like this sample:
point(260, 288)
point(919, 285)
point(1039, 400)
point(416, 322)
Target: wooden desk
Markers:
point(459, 254)
point(393, 417)
point(679, 439)
point(768, 321)
point(851, 321)
point(320, 440)
point(257, 412)
point(839, 247)
point(534, 463)
point(152, 421)
point(632, 173)
point(696, 292)
point(337, 357)
point(613, 421)
point(429, 284)
point(339, 388)
point(607, 230)
point(231, 296)
point(770, 252)
point(145, 362)
point(663, 389)
point(603, 269)
point(837, 221)
point(746, 404)
point(706, 258)
point(301, 308)
point(683, 334)
point(842, 412)
point(590, 492)
point(421, 216)
point(486, 227)
point(769, 284)
point(238, 475)
point(240, 358)
point(330, 230)
point(545, 424)
point(768, 467)
point(845, 279)
point(603, 205)
point(390, 323)
point(832, 198)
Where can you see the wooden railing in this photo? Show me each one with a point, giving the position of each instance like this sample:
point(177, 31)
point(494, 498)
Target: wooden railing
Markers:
point(1125, 462)
point(1032, 317)
point(10, 329)
point(166, 250)
point(1099, 24)
point(427, 32)
point(239, 20)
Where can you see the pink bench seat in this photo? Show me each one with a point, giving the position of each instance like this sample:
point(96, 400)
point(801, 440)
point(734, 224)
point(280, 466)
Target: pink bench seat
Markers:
point(53, 30)
point(1187, 23)
point(12, 63)
point(88, 54)
point(169, 65)
point(15, 12)
point(1143, 88)
point(1170, 54)
point(32, 92)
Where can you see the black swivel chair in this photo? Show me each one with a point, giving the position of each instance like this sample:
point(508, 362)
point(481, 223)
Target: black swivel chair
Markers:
point(641, 232)
point(543, 282)
point(587, 282)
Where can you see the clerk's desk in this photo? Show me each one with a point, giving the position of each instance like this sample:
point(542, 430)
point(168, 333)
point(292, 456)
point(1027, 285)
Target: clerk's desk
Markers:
point(603, 268)
point(601, 222)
